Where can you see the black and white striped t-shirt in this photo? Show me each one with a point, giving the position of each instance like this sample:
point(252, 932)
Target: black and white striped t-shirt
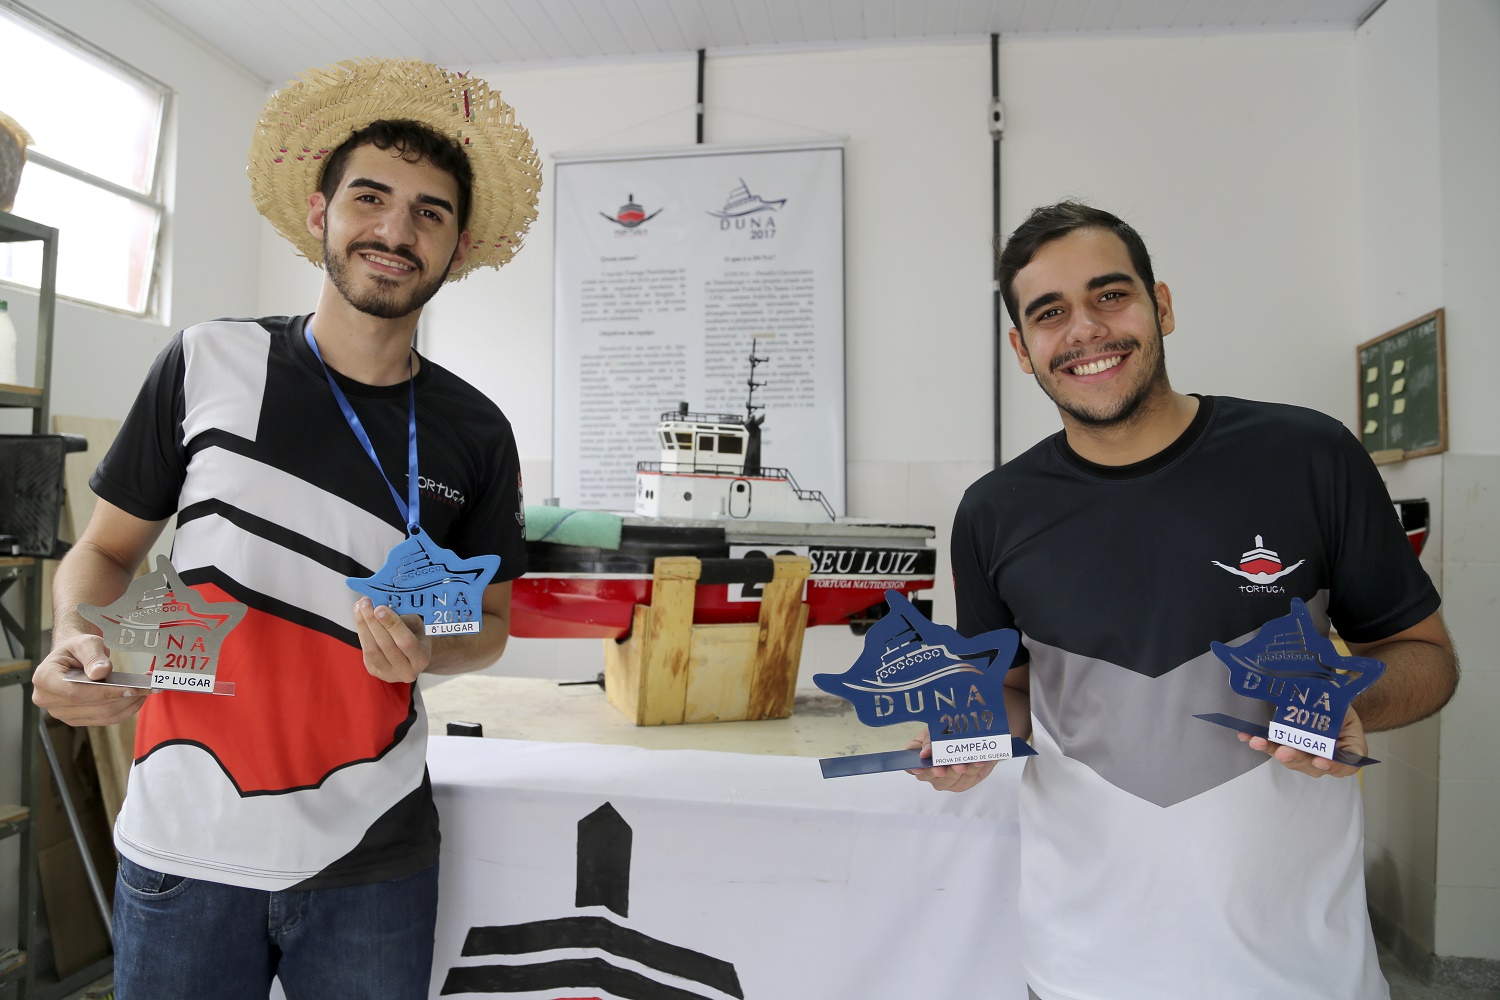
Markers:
point(313, 774)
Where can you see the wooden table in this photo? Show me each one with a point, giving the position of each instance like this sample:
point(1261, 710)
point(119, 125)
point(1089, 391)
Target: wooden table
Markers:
point(517, 708)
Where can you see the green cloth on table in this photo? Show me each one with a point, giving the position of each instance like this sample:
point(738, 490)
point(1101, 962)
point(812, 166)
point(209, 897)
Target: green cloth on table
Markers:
point(562, 526)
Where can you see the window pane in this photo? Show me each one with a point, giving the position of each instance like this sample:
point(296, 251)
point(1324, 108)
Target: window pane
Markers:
point(78, 110)
point(106, 244)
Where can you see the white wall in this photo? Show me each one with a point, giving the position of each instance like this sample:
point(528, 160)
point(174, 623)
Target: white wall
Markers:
point(211, 263)
point(210, 268)
point(1467, 917)
point(1234, 157)
point(1400, 278)
point(1429, 99)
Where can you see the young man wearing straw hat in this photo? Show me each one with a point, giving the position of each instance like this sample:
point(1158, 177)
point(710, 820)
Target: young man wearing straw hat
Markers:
point(1162, 859)
point(289, 830)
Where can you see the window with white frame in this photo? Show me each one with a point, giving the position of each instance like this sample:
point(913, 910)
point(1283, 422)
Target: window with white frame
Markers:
point(93, 169)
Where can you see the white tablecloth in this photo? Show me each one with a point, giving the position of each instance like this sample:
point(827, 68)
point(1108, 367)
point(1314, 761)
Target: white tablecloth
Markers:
point(748, 876)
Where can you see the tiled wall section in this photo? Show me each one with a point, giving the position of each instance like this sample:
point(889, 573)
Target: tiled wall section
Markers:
point(1401, 828)
point(1401, 795)
point(1467, 921)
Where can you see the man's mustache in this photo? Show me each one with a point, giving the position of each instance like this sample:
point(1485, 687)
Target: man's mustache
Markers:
point(1075, 356)
point(381, 248)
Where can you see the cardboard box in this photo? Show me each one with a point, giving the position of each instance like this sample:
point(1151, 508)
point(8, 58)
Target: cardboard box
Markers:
point(78, 934)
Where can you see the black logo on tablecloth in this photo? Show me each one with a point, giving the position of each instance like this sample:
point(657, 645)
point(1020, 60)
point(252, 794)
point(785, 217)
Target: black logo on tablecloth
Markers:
point(604, 846)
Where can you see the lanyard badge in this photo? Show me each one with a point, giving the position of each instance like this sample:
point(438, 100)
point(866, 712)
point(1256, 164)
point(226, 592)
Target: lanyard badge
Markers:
point(419, 576)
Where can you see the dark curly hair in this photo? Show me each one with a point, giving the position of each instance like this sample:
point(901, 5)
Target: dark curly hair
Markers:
point(414, 142)
point(1053, 222)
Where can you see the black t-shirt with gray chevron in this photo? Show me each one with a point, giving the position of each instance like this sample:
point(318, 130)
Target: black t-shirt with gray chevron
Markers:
point(1162, 857)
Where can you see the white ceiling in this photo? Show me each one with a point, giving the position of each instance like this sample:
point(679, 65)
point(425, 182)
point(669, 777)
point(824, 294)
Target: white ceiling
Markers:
point(277, 39)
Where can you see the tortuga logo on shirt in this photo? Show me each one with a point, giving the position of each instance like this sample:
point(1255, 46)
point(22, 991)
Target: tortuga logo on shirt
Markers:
point(1262, 567)
point(441, 492)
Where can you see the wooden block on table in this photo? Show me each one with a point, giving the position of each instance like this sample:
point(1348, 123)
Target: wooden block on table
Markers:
point(622, 667)
point(670, 671)
point(668, 639)
point(783, 619)
point(718, 685)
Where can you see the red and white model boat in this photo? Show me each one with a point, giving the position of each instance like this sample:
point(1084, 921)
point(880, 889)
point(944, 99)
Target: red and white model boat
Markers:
point(709, 496)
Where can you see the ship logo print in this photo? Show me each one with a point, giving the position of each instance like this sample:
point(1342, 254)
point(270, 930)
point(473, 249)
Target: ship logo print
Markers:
point(160, 604)
point(631, 214)
point(741, 202)
point(1260, 565)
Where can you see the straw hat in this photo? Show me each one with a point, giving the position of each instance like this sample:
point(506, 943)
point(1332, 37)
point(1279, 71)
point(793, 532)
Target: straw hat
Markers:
point(13, 143)
point(311, 117)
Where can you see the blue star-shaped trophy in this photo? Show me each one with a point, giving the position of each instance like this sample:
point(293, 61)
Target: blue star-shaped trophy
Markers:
point(1299, 670)
point(161, 617)
point(912, 670)
point(421, 577)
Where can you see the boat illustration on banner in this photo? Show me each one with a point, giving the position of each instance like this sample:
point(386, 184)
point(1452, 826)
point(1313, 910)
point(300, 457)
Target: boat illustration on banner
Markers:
point(710, 495)
point(631, 214)
point(741, 203)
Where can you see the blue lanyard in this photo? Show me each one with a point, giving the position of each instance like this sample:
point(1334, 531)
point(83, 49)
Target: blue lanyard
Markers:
point(410, 509)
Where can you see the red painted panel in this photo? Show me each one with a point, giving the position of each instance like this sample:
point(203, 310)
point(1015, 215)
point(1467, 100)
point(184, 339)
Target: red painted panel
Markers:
point(303, 705)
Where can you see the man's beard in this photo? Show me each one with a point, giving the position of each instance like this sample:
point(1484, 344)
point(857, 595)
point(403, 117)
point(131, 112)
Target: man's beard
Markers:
point(1125, 409)
point(381, 301)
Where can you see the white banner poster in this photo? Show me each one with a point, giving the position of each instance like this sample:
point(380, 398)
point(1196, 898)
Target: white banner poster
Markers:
point(669, 266)
point(574, 872)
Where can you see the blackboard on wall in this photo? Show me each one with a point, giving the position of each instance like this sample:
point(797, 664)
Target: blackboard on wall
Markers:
point(1403, 391)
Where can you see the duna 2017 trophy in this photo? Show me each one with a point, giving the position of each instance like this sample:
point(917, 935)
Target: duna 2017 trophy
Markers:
point(161, 618)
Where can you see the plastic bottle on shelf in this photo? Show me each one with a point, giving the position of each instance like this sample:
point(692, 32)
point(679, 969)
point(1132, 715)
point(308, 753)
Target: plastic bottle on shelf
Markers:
point(7, 346)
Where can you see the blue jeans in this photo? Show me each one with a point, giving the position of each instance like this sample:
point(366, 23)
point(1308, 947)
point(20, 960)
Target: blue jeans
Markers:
point(184, 938)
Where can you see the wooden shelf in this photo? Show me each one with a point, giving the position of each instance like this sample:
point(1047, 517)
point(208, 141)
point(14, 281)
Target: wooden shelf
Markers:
point(13, 672)
point(13, 819)
point(26, 571)
point(14, 972)
point(23, 396)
